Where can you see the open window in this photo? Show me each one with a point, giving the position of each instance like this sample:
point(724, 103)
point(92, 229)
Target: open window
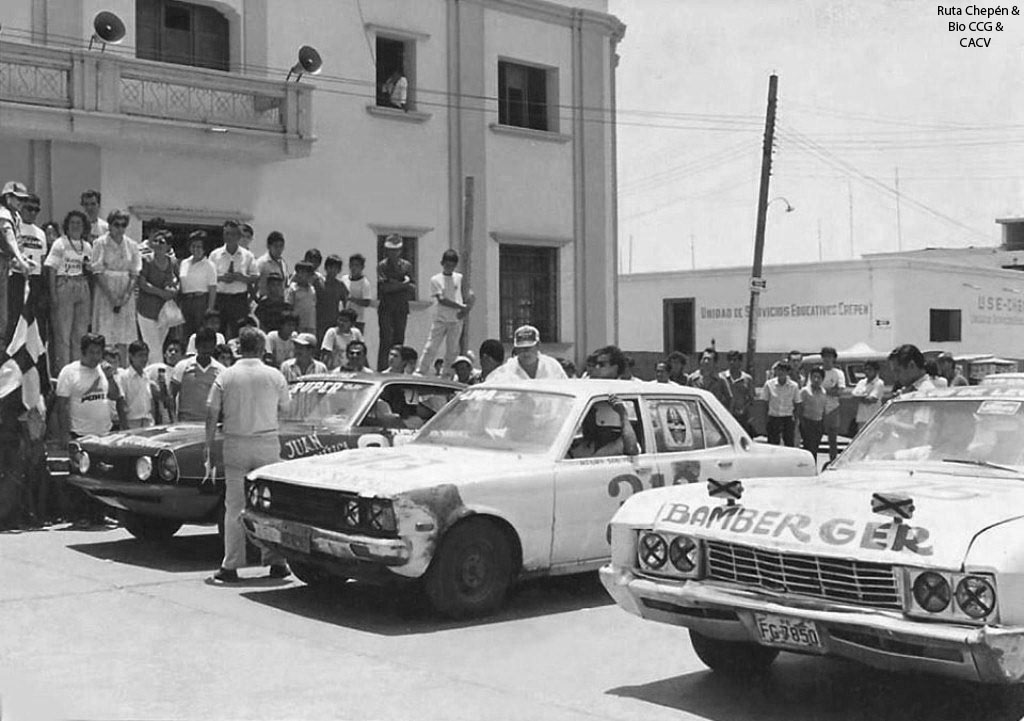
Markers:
point(396, 72)
point(527, 96)
point(599, 414)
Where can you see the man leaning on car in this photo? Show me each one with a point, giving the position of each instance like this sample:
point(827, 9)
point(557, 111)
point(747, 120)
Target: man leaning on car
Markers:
point(251, 395)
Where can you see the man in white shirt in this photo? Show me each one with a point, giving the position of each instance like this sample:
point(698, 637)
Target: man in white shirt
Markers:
point(193, 377)
point(236, 270)
point(833, 383)
point(136, 407)
point(303, 363)
point(90, 201)
point(451, 310)
point(783, 396)
point(198, 277)
point(84, 392)
point(32, 243)
point(528, 362)
point(359, 292)
point(271, 262)
point(868, 393)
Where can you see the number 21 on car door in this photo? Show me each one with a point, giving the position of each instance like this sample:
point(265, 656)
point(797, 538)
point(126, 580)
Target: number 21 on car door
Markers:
point(593, 479)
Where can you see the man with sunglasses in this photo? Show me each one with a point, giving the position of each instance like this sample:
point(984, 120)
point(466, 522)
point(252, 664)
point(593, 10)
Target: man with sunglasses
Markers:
point(32, 243)
point(11, 199)
point(355, 358)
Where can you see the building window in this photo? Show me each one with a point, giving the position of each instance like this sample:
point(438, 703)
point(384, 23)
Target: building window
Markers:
point(181, 33)
point(944, 326)
point(396, 69)
point(409, 243)
point(528, 289)
point(527, 96)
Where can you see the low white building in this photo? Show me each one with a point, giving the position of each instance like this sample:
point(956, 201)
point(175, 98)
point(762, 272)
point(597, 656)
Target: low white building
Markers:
point(190, 119)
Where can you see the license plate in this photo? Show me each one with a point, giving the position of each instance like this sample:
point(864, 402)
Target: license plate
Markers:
point(297, 539)
point(787, 632)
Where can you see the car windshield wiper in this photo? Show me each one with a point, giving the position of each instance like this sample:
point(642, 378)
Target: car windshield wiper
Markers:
point(983, 464)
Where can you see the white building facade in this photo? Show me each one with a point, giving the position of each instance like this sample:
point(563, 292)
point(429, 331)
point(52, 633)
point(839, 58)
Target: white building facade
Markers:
point(190, 119)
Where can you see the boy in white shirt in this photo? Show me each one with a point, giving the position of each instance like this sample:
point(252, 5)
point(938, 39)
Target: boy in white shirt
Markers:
point(135, 409)
point(336, 339)
point(833, 383)
point(868, 392)
point(281, 343)
point(359, 292)
point(446, 289)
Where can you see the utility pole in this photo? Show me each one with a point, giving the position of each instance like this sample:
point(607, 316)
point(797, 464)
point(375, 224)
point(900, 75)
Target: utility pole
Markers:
point(899, 223)
point(756, 282)
point(467, 254)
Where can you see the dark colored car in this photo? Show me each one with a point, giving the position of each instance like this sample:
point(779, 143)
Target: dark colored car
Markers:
point(156, 477)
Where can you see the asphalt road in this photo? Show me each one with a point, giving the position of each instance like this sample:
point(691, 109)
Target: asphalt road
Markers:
point(96, 625)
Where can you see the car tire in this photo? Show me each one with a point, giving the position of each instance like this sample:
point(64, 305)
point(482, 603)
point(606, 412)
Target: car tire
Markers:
point(735, 658)
point(314, 576)
point(148, 528)
point(471, 572)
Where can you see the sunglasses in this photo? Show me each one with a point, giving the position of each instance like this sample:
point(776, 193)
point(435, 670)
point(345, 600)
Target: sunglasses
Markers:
point(118, 225)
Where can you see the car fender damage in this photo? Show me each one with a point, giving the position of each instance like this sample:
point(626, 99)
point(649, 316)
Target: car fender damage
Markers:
point(424, 516)
point(999, 656)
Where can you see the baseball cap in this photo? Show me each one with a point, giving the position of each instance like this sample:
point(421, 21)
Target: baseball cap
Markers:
point(13, 187)
point(526, 336)
point(945, 355)
point(394, 242)
point(462, 359)
point(306, 339)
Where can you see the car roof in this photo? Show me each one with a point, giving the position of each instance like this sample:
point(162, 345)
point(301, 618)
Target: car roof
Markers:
point(587, 387)
point(382, 379)
point(1012, 392)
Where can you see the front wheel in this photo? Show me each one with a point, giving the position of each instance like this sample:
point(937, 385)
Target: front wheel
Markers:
point(735, 658)
point(148, 528)
point(472, 570)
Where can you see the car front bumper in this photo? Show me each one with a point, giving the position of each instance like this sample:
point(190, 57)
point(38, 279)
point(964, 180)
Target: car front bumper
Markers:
point(186, 503)
point(350, 554)
point(878, 638)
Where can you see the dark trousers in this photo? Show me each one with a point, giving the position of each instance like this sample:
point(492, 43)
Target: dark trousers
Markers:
point(810, 435)
point(193, 307)
point(781, 428)
point(233, 307)
point(392, 332)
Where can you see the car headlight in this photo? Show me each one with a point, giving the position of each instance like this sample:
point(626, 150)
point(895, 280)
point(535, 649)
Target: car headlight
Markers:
point(652, 551)
point(167, 466)
point(381, 516)
point(682, 553)
point(254, 494)
point(144, 468)
point(975, 596)
point(932, 592)
point(83, 462)
point(264, 497)
point(350, 512)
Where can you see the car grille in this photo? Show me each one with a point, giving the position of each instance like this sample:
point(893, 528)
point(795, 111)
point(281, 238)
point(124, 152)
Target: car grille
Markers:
point(835, 579)
point(112, 468)
point(332, 510)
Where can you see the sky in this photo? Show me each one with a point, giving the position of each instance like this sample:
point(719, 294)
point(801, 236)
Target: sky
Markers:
point(867, 91)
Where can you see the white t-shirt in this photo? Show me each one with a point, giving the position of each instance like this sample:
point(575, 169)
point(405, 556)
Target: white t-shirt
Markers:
point(510, 370)
point(357, 290)
point(191, 349)
point(32, 243)
point(86, 388)
point(868, 389)
point(336, 342)
point(67, 256)
point(282, 349)
point(834, 378)
point(448, 287)
point(197, 277)
point(98, 228)
point(244, 262)
point(137, 391)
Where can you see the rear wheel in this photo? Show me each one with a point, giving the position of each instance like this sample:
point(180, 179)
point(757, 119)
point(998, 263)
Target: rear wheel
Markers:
point(735, 658)
point(148, 528)
point(472, 570)
point(314, 576)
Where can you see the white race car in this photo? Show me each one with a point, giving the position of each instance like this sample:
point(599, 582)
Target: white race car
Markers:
point(906, 554)
point(499, 486)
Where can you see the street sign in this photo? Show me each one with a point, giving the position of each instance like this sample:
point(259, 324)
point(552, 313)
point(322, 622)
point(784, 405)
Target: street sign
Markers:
point(758, 285)
point(882, 323)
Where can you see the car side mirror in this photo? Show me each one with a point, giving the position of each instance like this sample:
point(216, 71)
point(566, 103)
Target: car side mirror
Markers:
point(745, 443)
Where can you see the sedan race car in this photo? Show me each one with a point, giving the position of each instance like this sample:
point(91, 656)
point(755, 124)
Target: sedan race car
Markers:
point(507, 481)
point(156, 477)
point(905, 554)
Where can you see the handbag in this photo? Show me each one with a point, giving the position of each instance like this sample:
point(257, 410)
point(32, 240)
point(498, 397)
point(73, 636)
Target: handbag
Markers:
point(170, 314)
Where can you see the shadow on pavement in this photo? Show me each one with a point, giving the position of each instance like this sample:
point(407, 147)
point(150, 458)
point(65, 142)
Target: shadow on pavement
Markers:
point(404, 610)
point(824, 689)
point(180, 554)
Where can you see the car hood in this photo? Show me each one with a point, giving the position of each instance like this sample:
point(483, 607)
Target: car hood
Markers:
point(388, 472)
point(832, 514)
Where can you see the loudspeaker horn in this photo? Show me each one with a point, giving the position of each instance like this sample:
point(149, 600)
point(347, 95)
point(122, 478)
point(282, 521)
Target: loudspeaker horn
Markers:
point(108, 28)
point(309, 63)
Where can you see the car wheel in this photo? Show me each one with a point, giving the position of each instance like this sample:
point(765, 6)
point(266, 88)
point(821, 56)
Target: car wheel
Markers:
point(148, 528)
point(471, 572)
point(314, 576)
point(736, 658)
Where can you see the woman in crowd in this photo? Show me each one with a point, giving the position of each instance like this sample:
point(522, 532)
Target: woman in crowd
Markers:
point(68, 276)
point(116, 264)
point(198, 284)
point(158, 283)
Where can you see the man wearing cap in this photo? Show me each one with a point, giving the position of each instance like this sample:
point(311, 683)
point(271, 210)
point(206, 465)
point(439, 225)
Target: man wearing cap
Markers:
point(395, 288)
point(303, 363)
point(32, 242)
point(463, 368)
point(11, 198)
point(527, 362)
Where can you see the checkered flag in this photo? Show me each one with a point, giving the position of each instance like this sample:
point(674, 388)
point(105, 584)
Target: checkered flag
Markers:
point(23, 365)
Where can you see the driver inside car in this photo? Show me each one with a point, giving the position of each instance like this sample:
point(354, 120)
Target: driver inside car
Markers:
point(606, 432)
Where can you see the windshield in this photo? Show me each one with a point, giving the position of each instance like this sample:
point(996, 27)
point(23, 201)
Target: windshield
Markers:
point(972, 430)
point(507, 420)
point(329, 402)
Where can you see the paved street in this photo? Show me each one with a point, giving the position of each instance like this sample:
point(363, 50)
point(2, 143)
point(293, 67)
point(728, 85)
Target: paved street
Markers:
point(96, 625)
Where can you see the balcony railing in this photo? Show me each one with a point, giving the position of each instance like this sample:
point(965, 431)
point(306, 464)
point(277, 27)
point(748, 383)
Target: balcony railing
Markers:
point(153, 93)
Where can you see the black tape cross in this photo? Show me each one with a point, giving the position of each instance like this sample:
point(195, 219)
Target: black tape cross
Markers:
point(725, 489)
point(895, 506)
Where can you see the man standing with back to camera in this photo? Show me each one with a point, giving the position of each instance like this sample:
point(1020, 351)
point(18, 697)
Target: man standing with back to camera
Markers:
point(251, 394)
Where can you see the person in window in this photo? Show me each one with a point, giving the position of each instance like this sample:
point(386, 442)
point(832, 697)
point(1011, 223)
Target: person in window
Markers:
point(606, 432)
point(396, 89)
point(426, 408)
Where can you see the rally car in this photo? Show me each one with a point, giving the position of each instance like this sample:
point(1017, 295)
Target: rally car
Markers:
point(495, 488)
point(156, 477)
point(905, 554)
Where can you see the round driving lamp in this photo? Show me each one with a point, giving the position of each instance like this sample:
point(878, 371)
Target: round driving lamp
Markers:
point(265, 497)
point(144, 468)
point(932, 592)
point(975, 596)
point(653, 550)
point(167, 466)
point(83, 462)
point(682, 553)
point(254, 495)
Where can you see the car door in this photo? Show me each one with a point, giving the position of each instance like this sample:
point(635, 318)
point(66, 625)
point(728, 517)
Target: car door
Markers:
point(689, 444)
point(588, 491)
